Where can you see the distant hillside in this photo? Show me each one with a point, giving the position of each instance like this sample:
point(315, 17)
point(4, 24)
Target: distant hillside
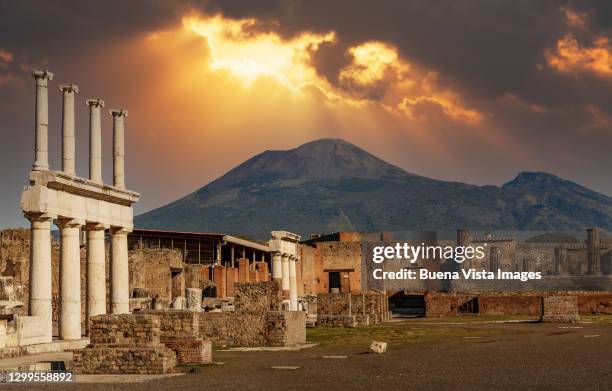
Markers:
point(330, 185)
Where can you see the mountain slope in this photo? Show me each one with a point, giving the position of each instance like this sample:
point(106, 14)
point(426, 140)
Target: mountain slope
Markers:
point(329, 185)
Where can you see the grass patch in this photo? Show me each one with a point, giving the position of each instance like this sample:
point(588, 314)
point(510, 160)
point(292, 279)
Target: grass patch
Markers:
point(393, 333)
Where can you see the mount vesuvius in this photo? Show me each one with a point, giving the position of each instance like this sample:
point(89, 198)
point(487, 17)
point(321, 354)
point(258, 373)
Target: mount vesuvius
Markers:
point(329, 185)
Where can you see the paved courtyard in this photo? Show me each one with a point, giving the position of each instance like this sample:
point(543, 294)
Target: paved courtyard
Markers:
point(423, 354)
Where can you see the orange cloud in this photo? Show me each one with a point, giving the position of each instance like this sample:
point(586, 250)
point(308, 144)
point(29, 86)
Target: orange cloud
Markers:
point(570, 56)
point(377, 73)
point(5, 58)
point(574, 18)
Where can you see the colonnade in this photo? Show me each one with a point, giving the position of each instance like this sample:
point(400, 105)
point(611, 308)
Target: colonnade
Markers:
point(74, 213)
point(283, 246)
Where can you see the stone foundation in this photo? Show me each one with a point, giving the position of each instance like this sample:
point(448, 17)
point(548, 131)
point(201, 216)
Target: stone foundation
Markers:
point(124, 344)
point(111, 359)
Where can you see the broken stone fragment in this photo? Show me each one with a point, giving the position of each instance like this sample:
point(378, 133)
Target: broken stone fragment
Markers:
point(378, 347)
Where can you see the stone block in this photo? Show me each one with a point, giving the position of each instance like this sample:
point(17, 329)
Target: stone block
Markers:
point(194, 299)
point(560, 309)
point(378, 347)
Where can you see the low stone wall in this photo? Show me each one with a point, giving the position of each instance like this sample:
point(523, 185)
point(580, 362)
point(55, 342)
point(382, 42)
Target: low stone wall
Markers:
point(560, 309)
point(511, 304)
point(124, 360)
point(124, 344)
point(351, 310)
point(595, 304)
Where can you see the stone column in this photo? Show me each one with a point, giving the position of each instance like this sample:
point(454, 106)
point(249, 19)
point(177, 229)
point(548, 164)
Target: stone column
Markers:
point(119, 147)
point(285, 276)
point(293, 296)
point(277, 272)
point(41, 121)
point(40, 268)
point(120, 291)
point(96, 271)
point(70, 280)
point(68, 138)
point(593, 255)
point(194, 299)
point(95, 140)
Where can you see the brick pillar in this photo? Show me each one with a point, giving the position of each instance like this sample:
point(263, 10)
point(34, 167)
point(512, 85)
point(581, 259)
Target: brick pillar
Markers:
point(220, 277)
point(230, 280)
point(243, 270)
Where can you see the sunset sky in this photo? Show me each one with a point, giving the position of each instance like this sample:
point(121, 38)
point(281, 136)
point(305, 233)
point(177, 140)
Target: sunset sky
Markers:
point(456, 90)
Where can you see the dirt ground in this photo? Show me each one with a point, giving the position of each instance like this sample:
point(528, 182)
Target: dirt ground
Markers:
point(421, 356)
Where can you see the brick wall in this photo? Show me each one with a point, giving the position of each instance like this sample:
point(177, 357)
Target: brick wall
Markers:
point(595, 303)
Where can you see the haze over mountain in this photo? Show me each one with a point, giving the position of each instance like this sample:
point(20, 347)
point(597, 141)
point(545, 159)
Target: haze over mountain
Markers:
point(329, 185)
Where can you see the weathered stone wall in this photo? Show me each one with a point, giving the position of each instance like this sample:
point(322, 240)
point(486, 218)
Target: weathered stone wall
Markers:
point(176, 323)
point(595, 304)
point(258, 296)
point(334, 304)
point(350, 310)
point(125, 329)
point(511, 303)
point(286, 328)
point(560, 309)
point(150, 269)
point(234, 328)
point(180, 331)
point(124, 344)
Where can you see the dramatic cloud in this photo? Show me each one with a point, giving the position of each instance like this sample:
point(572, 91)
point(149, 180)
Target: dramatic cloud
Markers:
point(467, 91)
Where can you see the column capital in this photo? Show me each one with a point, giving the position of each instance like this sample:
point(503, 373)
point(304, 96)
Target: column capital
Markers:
point(38, 217)
point(64, 222)
point(68, 88)
point(94, 102)
point(44, 75)
point(119, 231)
point(118, 112)
point(95, 226)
